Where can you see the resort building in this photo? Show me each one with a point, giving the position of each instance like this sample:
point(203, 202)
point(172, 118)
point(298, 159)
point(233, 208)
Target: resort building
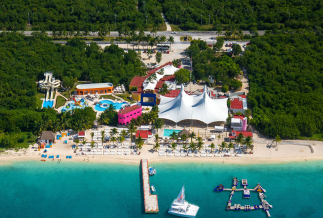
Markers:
point(239, 123)
point(192, 107)
point(126, 114)
point(152, 83)
point(81, 135)
point(239, 104)
point(94, 88)
point(145, 134)
point(47, 137)
point(234, 134)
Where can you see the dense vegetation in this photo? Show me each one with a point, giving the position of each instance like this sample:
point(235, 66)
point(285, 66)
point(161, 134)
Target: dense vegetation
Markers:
point(24, 61)
point(88, 15)
point(244, 14)
point(206, 64)
point(285, 75)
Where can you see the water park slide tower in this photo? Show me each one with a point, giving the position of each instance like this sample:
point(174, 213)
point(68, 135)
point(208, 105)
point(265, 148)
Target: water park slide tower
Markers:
point(50, 84)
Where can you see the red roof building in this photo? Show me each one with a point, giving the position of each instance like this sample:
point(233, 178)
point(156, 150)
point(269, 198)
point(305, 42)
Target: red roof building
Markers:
point(137, 81)
point(145, 134)
point(239, 116)
point(235, 134)
point(236, 103)
point(81, 134)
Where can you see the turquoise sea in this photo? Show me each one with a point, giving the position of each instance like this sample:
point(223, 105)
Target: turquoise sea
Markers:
point(39, 189)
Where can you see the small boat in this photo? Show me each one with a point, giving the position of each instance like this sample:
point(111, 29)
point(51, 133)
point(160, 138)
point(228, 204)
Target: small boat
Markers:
point(152, 188)
point(152, 171)
point(182, 208)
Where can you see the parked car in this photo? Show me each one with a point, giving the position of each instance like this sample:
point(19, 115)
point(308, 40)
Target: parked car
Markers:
point(230, 45)
point(185, 84)
point(226, 45)
point(248, 43)
point(210, 45)
point(174, 32)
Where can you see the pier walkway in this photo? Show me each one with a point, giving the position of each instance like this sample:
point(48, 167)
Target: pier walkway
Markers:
point(151, 201)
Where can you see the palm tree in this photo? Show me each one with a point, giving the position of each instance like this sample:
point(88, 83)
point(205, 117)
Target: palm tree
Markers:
point(184, 137)
point(124, 133)
point(184, 147)
point(223, 145)
point(113, 139)
point(171, 40)
point(128, 40)
point(199, 145)
point(92, 135)
point(139, 142)
point(131, 129)
point(192, 136)
point(102, 138)
point(174, 145)
point(231, 145)
point(212, 146)
point(192, 146)
point(277, 140)
point(158, 124)
point(84, 142)
point(219, 137)
point(121, 139)
point(149, 52)
point(240, 34)
point(157, 145)
point(173, 135)
point(77, 141)
point(163, 39)
point(92, 144)
point(156, 137)
point(219, 31)
point(102, 133)
point(240, 138)
point(113, 131)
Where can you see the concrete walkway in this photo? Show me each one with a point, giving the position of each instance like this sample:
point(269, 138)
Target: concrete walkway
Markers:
point(168, 27)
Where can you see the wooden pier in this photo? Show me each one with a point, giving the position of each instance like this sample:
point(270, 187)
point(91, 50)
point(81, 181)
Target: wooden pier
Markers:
point(150, 201)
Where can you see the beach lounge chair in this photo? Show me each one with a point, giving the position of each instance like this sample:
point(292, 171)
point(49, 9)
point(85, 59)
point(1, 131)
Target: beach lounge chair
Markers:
point(119, 153)
point(203, 155)
point(170, 154)
point(162, 154)
point(196, 155)
point(177, 155)
point(183, 154)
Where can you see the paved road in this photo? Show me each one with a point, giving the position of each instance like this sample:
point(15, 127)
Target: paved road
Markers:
point(163, 33)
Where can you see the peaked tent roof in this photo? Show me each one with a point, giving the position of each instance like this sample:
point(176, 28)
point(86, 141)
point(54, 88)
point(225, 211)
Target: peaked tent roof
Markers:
point(186, 107)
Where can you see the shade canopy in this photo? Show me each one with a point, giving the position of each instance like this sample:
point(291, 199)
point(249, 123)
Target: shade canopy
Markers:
point(187, 107)
point(184, 131)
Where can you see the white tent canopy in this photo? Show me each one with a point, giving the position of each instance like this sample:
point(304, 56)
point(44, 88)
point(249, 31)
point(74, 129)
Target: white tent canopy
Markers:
point(186, 107)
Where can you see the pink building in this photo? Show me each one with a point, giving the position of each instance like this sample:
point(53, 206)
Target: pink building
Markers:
point(127, 114)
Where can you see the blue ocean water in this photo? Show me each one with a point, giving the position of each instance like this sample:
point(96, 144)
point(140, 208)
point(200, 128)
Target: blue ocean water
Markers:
point(168, 132)
point(49, 189)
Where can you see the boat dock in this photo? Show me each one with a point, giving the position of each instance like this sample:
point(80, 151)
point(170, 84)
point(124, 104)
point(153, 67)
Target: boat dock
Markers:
point(246, 193)
point(150, 201)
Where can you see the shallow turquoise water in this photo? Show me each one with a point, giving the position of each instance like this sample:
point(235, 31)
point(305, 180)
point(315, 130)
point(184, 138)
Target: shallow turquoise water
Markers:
point(38, 189)
point(168, 132)
point(48, 104)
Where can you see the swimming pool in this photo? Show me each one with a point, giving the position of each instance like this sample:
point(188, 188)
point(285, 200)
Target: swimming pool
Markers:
point(48, 104)
point(71, 106)
point(106, 103)
point(167, 132)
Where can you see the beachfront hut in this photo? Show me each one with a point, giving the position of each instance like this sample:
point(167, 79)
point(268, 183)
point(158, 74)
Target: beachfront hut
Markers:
point(47, 137)
point(184, 131)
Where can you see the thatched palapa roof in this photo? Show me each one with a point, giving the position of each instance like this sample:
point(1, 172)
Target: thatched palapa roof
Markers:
point(184, 131)
point(47, 135)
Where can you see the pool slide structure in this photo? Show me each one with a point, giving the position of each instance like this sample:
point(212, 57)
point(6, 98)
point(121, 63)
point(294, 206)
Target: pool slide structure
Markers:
point(50, 84)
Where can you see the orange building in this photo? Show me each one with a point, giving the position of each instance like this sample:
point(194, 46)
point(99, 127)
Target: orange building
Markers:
point(94, 88)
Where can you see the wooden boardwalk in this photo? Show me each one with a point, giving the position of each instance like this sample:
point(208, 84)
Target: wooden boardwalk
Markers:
point(151, 201)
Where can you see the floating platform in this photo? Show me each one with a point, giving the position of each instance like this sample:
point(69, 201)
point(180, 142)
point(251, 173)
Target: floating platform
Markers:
point(246, 194)
point(150, 201)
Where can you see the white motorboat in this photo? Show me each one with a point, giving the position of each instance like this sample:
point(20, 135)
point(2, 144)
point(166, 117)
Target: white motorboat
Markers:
point(152, 171)
point(182, 208)
point(152, 188)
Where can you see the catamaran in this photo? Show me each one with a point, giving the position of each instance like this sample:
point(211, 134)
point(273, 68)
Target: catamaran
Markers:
point(182, 208)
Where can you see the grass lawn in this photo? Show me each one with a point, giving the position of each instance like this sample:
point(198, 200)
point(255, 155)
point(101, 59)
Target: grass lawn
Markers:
point(60, 101)
point(39, 97)
point(189, 37)
point(315, 137)
point(108, 97)
point(126, 97)
point(175, 27)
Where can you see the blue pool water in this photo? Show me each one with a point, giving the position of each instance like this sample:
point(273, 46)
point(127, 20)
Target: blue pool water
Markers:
point(48, 103)
point(167, 132)
point(105, 105)
point(73, 190)
point(71, 106)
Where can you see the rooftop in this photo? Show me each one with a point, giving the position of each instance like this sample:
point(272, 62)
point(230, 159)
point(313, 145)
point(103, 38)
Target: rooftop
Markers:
point(81, 133)
point(94, 85)
point(129, 109)
point(236, 103)
point(143, 133)
point(47, 135)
